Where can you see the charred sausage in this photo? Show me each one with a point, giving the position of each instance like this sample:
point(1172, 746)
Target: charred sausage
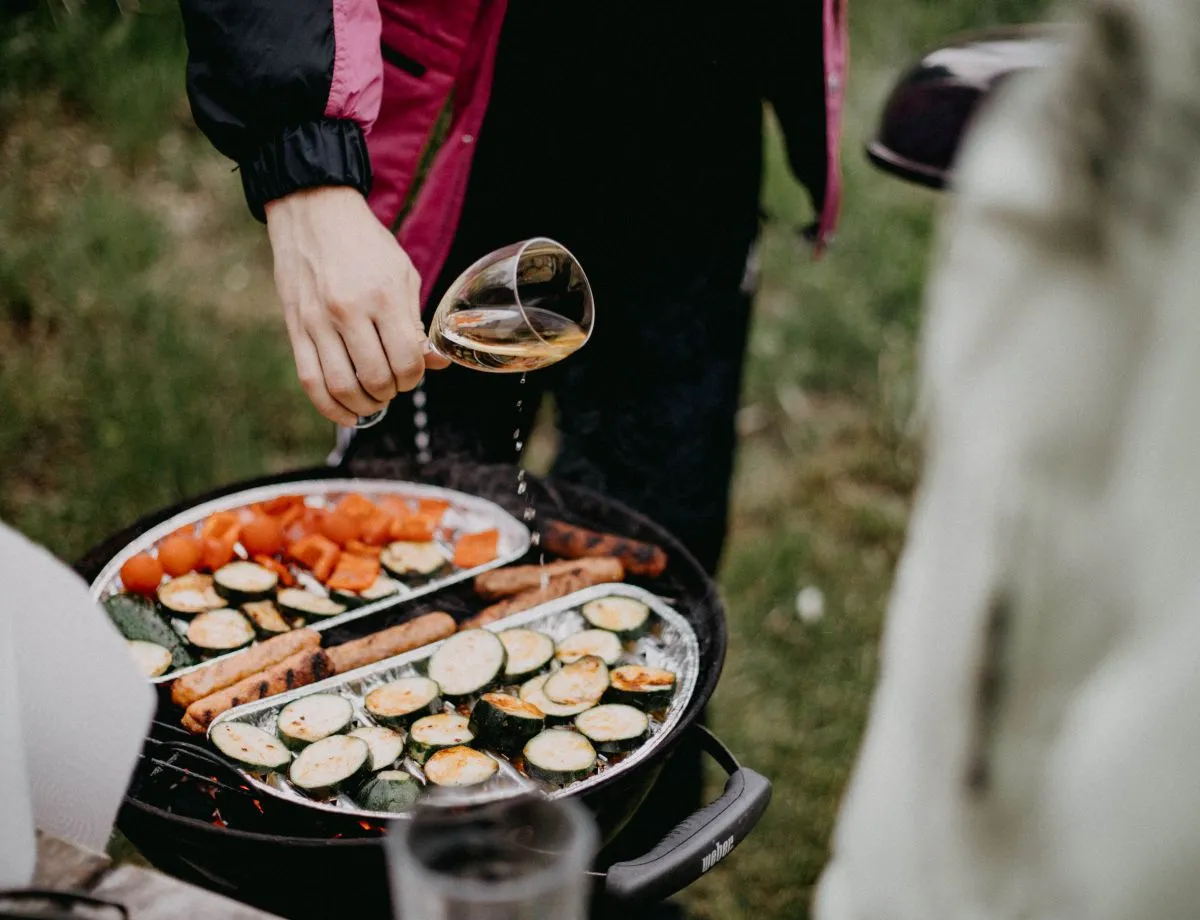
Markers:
point(393, 641)
point(305, 667)
point(558, 586)
point(573, 542)
point(228, 671)
point(507, 582)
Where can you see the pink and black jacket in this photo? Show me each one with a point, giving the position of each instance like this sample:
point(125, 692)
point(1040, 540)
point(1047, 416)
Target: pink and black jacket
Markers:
point(302, 93)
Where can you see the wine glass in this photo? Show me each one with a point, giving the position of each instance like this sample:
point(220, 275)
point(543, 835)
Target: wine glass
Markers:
point(523, 307)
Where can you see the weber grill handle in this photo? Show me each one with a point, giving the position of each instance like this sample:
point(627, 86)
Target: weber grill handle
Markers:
point(702, 840)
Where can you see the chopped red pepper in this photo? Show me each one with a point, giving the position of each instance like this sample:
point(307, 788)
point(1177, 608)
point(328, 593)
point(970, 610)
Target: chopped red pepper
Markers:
point(286, 578)
point(476, 549)
point(319, 554)
point(354, 573)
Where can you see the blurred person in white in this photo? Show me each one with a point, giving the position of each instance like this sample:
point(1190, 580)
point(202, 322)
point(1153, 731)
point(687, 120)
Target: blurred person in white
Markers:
point(1033, 749)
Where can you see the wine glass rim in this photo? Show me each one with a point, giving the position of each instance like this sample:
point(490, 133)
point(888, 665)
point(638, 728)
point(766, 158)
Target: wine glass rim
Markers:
point(521, 248)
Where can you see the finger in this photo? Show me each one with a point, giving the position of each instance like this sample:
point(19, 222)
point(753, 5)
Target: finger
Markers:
point(312, 379)
point(340, 378)
point(434, 360)
point(403, 349)
point(369, 360)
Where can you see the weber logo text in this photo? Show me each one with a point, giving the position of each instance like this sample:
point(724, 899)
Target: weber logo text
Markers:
point(720, 851)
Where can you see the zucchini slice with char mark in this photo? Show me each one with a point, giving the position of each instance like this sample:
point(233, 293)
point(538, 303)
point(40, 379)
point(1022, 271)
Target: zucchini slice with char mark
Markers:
point(333, 763)
point(399, 703)
point(468, 662)
point(460, 766)
point(555, 713)
point(189, 595)
point(582, 681)
point(404, 559)
point(151, 659)
point(391, 790)
point(138, 621)
point(603, 644)
point(249, 745)
point(266, 618)
point(242, 582)
point(297, 602)
point(504, 723)
point(614, 727)
point(642, 686)
point(386, 745)
point(383, 587)
point(434, 733)
point(559, 756)
point(622, 615)
point(219, 631)
point(527, 653)
point(311, 718)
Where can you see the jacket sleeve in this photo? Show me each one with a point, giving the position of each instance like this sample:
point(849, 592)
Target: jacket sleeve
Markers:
point(286, 88)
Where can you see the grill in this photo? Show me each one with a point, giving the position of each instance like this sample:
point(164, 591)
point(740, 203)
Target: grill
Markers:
point(197, 819)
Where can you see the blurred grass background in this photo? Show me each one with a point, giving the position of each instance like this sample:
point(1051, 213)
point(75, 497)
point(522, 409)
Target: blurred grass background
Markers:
point(143, 359)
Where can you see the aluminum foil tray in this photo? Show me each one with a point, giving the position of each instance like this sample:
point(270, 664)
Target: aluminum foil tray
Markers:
point(466, 514)
point(670, 644)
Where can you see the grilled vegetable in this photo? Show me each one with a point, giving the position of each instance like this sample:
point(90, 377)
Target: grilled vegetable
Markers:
point(180, 553)
point(267, 619)
point(641, 686)
point(216, 631)
point(382, 587)
point(582, 681)
point(435, 733)
point(403, 559)
point(137, 620)
point(300, 603)
point(386, 745)
point(475, 549)
point(312, 718)
point(555, 713)
point(244, 582)
point(559, 756)
point(504, 723)
point(613, 728)
point(527, 652)
point(601, 643)
point(622, 615)
point(262, 536)
point(391, 790)
point(467, 663)
point(152, 660)
point(401, 702)
point(330, 764)
point(250, 746)
point(460, 766)
point(354, 573)
point(189, 595)
point(141, 574)
point(282, 572)
point(317, 553)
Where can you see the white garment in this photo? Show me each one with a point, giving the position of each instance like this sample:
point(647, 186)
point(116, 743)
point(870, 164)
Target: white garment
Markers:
point(1033, 749)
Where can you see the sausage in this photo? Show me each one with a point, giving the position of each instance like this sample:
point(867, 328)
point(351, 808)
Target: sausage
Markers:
point(393, 641)
point(558, 586)
point(507, 582)
point(305, 667)
point(228, 671)
point(573, 542)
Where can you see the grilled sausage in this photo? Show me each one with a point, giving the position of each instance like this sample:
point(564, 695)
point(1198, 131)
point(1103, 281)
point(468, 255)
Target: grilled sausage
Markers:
point(573, 542)
point(558, 586)
point(228, 671)
point(305, 667)
point(507, 582)
point(393, 641)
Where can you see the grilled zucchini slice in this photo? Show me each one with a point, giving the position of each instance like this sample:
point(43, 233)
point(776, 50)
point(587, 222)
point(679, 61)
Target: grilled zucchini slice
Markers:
point(188, 595)
point(460, 766)
point(151, 659)
point(266, 618)
point(391, 790)
point(311, 718)
point(642, 686)
point(622, 615)
point(613, 728)
point(559, 756)
point(219, 631)
point(399, 703)
point(297, 602)
point(383, 587)
point(527, 653)
point(468, 662)
point(435, 733)
point(504, 723)
point(333, 763)
point(386, 745)
point(249, 745)
point(555, 713)
point(603, 644)
point(243, 582)
point(582, 681)
point(137, 620)
point(404, 559)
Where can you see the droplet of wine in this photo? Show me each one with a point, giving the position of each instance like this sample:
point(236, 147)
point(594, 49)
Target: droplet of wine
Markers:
point(422, 439)
point(521, 487)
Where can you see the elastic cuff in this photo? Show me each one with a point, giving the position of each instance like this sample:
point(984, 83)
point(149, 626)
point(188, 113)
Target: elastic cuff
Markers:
point(327, 152)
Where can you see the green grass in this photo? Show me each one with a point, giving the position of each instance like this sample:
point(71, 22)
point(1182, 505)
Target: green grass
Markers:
point(143, 359)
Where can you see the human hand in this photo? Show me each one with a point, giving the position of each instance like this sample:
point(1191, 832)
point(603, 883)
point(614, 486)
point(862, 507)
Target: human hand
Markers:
point(351, 301)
